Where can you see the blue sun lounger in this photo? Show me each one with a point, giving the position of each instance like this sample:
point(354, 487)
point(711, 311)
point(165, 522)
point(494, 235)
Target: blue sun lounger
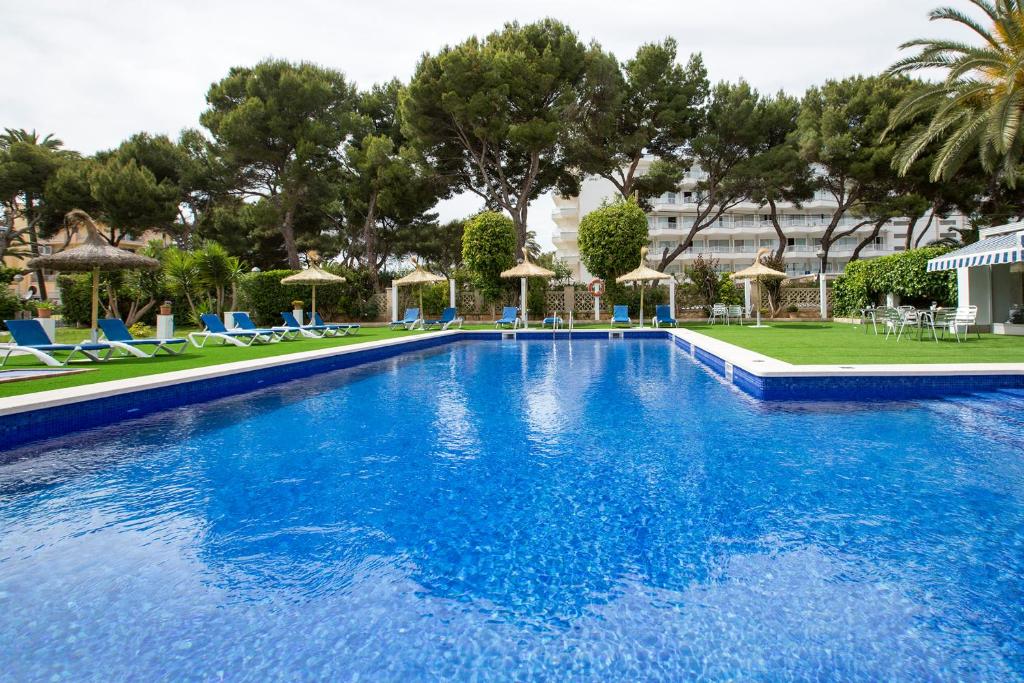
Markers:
point(409, 322)
point(293, 328)
point(620, 316)
point(554, 320)
point(663, 316)
point(120, 337)
point(343, 328)
point(509, 316)
point(449, 317)
point(244, 322)
point(30, 337)
point(215, 330)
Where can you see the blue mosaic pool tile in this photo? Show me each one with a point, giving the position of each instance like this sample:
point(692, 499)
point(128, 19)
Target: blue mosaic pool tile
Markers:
point(21, 428)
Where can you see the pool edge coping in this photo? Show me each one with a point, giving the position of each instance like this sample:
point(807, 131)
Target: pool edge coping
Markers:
point(736, 357)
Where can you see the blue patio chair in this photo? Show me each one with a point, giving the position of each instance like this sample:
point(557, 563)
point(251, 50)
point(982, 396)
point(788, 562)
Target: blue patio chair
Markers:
point(30, 337)
point(294, 328)
point(555, 321)
point(449, 317)
point(409, 322)
point(663, 316)
point(620, 315)
point(343, 328)
point(120, 337)
point(509, 316)
point(214, 329)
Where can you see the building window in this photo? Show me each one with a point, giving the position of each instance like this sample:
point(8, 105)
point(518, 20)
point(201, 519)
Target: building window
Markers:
point(672, 221)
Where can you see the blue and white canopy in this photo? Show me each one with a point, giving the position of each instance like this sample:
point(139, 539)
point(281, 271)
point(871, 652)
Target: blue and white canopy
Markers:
point(1007, 248)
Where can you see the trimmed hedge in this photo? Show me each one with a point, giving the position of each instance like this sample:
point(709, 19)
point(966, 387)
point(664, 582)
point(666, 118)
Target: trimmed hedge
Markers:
point(264, 295)
point(904, 273)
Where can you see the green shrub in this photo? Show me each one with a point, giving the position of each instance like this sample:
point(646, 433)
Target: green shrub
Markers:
point(76, 298)
point(610, 239)
point(141, 330)
point(904, 274)
point(7, 274)
point(263, 294)
point(619, 294)
point(488, 248)
point(10, 304)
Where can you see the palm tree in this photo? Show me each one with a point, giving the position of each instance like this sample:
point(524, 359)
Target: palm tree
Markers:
point(977, 108)
point(13, 135)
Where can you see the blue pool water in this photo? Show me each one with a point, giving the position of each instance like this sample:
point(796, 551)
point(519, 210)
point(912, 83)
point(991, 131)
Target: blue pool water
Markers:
point(590, 510)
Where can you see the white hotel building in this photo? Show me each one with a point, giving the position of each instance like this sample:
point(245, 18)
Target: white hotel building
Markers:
point(739, 233)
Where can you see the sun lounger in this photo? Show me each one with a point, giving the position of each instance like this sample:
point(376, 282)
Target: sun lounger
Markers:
point(449, 317)
point(343, 328)
point(120, 337)
point(620, 315)
point(30, 337)
point(509, 316)
point(663, 316)
point(215, 330)
point(410, 321)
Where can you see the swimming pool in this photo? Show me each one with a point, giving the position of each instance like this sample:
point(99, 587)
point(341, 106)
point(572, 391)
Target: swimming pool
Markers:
point(602, 510)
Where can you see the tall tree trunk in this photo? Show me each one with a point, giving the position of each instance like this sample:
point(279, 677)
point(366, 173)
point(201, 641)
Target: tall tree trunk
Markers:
point(927, 226)
point(908, 239)
point(877, 228)
point(519, 221)
point(288, 233)
point(370, 241)
point(33, 240)
point(774, 215)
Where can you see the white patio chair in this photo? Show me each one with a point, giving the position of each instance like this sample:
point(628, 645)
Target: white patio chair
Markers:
point(735, 313)
point(963, 319)
point(719, 312)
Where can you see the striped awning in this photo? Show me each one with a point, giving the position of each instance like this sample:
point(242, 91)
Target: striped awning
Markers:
point(1007, 248)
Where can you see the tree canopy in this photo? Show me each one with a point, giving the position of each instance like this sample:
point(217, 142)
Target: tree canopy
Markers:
point(497, 116)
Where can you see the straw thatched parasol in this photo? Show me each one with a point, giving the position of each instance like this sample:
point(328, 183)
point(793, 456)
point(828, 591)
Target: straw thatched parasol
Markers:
point(523, 270)
point(755, 272)
point(93, 254)
point(642, 274)
point(419, 276)
point(313, 275)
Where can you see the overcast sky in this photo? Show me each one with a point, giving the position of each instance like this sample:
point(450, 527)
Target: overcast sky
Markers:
point(95, 72)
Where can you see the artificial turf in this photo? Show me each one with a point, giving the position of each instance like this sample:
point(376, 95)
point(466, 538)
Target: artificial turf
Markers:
point(820, 343)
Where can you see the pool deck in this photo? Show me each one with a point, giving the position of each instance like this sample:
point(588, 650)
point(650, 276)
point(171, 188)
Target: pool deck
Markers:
point(29, 417)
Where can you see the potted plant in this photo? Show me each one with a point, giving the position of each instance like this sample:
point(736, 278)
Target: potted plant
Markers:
point(43, 309)
point(792, 310)
point(165, 308)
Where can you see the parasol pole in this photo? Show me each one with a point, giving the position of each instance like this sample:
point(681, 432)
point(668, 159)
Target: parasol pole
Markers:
point(422, 314)
point(95, 302)
point(522, 299)
point(642, 283)
point(312, 315)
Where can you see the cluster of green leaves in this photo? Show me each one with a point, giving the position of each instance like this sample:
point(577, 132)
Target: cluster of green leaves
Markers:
point(488, 248)
point(904, 273)
point(610, 238)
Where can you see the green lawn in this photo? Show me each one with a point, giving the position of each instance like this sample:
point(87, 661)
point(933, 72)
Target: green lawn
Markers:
point(812, 343)
point(191, 358)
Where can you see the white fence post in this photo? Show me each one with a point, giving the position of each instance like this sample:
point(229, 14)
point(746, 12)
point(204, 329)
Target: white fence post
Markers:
point(451, 293)
point(394, 303)
point(672, 297)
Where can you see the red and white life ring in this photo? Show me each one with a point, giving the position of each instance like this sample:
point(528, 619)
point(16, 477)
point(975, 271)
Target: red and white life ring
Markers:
point(596, 287)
